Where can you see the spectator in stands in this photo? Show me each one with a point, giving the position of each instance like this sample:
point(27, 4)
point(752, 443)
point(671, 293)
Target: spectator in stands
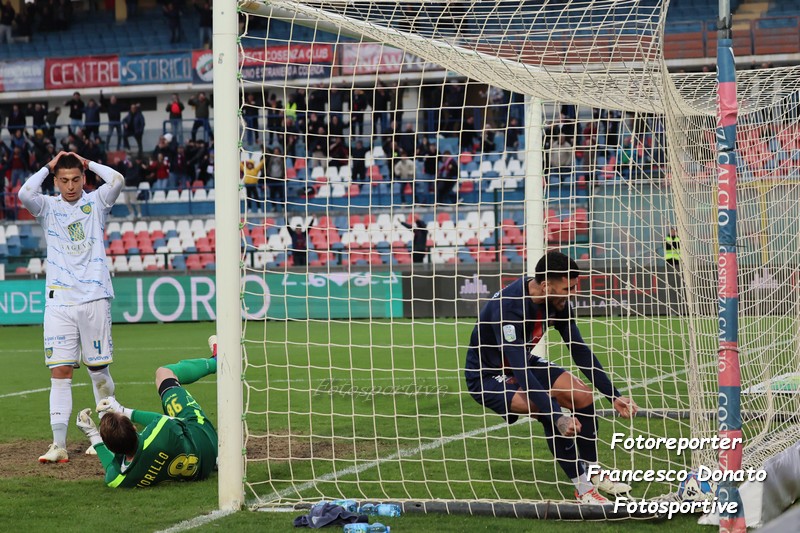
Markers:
point(274, 118)
point(470, 136)
point(407, 139)
point(19, 166)
point(202, 105)
point(91, 114)
point(359, 161)
point(419, 244)
point(159, 166)
point(166, 146)
point(299, 248)
point(428, 153)
point(179, 170)
point(250, 114)
point(513, 134)
point(133, 126)
point(113, 108)
point(18, 140)
point(7, 15)
point(446, 179)
point(252, 183)
point(64, 14)
point(338, 153)
point(76, 106)
point(51, 120)
point(317, 99)
point(276, 177)
point(17, 120)
point(488, 144)
point(23, 26)
point(358, 108)
point(318, 146)
point(672, 248)
point(38, 113)
point(175, 114)
point(205, 23)
point(562, 160)
point(173, 15)
point(404, 169)
point(381, 109)
point(335, 126)
point(336, 98)
point(41, 154)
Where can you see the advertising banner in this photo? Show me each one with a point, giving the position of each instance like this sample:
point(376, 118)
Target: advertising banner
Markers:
point(271, 63)
point(81, 72)
point(379, 59)
point(193, 298)
point(161, 68)
point(26, 75)
point(608, 292)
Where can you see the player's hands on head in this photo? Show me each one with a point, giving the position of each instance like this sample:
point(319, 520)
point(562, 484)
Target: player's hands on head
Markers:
point(626, 407)
point(83, 160)
point(568, 426)
point(86, 424)
point(52, 164)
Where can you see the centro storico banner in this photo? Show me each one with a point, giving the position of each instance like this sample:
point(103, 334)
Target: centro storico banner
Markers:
point(193, 298)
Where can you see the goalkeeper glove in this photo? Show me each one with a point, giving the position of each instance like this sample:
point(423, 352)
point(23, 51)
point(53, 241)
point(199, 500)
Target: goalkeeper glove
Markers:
point(111, 405)
point(86, 424)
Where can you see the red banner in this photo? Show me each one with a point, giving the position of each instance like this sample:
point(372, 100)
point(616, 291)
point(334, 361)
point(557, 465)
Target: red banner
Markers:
point(81, 72)
point(295, 54)
point(378, 59)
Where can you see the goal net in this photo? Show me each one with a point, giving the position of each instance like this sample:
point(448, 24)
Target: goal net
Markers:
point(503, 129)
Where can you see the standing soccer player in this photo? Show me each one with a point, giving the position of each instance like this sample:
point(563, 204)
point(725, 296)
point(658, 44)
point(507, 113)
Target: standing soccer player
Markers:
point(503, 375)
point(77, 316)
point(179, 445)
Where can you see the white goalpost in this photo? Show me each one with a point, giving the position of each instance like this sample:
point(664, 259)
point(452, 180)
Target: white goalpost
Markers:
point(505, 129)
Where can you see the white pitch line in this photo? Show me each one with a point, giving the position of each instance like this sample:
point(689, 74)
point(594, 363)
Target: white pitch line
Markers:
point(196, 521)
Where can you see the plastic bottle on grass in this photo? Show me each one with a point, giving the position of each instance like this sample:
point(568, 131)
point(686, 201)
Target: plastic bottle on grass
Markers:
point(381, 509)
point(377, 527)
point(350, 505)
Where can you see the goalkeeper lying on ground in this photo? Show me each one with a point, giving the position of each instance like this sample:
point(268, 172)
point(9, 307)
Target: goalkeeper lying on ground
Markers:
point(181, 446)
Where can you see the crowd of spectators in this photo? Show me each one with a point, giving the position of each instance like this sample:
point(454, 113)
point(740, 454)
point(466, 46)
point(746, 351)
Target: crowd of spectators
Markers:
point(95, 128)
point(49, 16)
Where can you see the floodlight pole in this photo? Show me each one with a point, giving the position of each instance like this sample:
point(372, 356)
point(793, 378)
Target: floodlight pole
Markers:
point(228, 284)
point(729, 371)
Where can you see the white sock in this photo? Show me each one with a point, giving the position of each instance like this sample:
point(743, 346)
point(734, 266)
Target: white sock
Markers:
point(102, 384)
point(587, 465)
point(60, 409)
point(582, 484)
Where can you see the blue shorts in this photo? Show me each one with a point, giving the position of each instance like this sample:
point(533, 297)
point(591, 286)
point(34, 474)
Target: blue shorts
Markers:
point(495, 391)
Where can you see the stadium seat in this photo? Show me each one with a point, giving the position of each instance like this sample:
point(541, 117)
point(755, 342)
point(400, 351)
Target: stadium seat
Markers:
point(121, 264)
point(35, 266)
point(135, 263)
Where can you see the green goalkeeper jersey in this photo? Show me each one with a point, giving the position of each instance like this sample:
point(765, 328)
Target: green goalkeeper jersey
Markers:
point(177, 449)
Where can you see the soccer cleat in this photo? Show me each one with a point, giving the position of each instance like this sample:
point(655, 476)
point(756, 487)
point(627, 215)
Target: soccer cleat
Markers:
point(91, 451)
point(610, 487)
point(55, 454)
point(212, 345)
point(591, 497)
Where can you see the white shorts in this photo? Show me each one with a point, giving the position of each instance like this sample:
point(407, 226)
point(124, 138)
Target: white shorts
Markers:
point(72, 330)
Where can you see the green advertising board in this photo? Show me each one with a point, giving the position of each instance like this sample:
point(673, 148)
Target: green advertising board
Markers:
point(193, 298)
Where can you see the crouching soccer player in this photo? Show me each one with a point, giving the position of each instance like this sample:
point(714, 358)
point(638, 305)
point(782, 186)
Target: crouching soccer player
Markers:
point(180, 445)
point(503, 375)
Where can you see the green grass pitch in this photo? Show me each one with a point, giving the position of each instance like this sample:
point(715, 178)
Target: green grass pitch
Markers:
point(72, 497)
